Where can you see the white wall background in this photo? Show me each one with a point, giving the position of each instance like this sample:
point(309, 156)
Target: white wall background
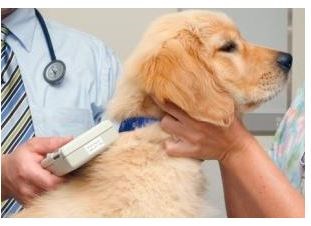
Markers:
point(121, 29)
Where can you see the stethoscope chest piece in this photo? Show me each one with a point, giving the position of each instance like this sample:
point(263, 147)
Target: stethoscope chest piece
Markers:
point(54, 72)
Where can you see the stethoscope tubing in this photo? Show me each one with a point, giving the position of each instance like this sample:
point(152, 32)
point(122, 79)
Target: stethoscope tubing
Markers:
point(46, 35)
point(52, 77)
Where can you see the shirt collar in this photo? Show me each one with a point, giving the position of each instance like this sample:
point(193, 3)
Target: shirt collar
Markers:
point(22, 24)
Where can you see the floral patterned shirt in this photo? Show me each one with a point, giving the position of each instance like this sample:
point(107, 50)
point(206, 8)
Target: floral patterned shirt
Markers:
point(288, 147)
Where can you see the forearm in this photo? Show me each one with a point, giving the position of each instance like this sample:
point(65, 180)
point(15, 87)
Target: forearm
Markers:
point(254, 187)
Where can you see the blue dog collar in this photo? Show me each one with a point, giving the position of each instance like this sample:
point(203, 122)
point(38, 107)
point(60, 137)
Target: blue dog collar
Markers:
point(130, 124)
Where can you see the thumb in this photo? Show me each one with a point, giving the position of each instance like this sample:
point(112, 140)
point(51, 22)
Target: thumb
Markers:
point(44, 145)
point(181, 148)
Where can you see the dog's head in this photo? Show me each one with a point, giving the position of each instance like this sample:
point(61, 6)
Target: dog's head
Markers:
point(199, 61)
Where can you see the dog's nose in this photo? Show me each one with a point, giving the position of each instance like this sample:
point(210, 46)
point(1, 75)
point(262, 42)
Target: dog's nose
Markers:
point(284, 61)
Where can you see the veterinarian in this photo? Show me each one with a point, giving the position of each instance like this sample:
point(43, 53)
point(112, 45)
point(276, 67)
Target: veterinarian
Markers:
point(55, 82)
point(254, 185)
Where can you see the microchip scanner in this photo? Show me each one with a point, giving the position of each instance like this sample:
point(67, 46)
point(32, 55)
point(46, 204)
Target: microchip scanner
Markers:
point(81, 150)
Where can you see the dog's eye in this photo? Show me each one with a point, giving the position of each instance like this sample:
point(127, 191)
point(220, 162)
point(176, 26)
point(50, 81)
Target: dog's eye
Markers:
point(228, 47)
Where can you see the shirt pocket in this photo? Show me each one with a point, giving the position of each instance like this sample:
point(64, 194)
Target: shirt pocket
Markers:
point(61, 121)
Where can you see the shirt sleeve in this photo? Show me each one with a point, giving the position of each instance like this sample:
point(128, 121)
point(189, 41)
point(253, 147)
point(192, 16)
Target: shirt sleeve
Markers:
point(109, 70)
point(287, 150)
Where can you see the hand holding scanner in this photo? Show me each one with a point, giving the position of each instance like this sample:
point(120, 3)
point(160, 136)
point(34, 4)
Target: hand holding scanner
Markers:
point(80, 150)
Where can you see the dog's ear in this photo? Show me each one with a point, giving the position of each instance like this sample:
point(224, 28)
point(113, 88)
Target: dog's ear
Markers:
point(178, 73)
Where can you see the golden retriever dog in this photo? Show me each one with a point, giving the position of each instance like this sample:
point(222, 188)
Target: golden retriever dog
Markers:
point(198, 61)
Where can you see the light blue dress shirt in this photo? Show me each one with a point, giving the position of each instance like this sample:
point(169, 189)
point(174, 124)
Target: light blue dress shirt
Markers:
point(91, 73)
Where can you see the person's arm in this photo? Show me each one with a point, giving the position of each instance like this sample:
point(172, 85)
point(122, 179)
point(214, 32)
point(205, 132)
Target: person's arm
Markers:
point(22, 176)
point(253, 185)
point(108, 72)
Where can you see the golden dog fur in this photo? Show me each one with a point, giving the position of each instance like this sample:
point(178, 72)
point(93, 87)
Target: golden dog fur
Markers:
point(198, 61)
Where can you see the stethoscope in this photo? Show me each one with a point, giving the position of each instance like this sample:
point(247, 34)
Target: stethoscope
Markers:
point(54, 72)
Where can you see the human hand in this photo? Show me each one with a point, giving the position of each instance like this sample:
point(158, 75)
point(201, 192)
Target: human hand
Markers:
point(22, 175)
point(201, 140)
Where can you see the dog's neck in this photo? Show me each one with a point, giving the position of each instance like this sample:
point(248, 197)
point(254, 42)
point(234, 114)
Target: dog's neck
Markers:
point(131, 101)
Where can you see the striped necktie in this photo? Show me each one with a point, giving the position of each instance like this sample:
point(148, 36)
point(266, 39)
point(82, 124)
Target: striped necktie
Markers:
point(16, 123)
